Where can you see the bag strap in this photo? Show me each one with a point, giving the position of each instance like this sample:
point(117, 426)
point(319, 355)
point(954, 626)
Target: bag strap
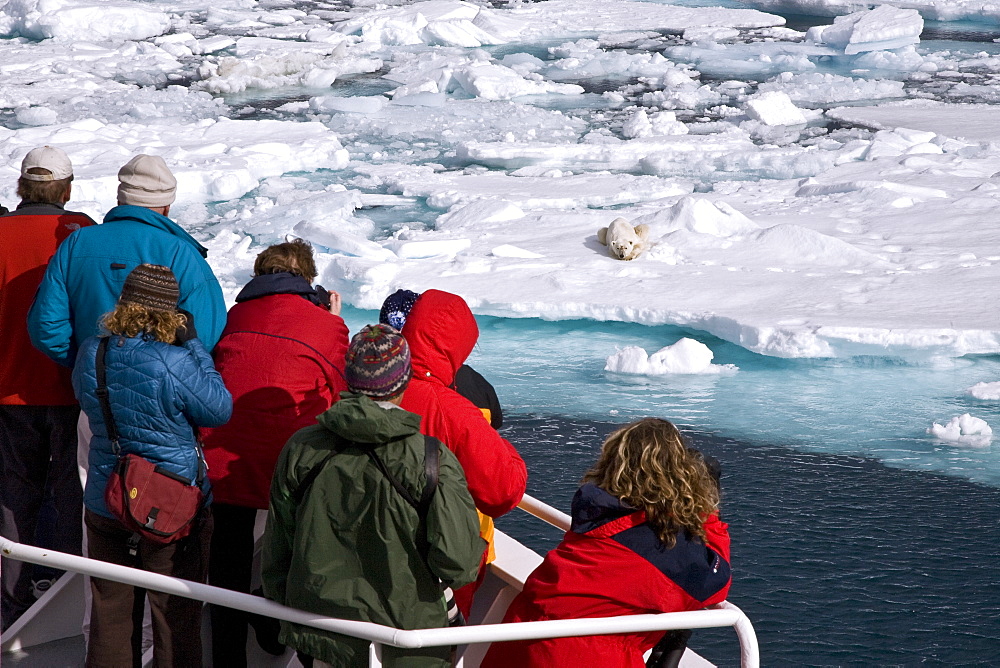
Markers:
point(103, 395)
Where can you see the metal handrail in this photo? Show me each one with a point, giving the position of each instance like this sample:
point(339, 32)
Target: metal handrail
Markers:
point(545, 512)
point(724, 614)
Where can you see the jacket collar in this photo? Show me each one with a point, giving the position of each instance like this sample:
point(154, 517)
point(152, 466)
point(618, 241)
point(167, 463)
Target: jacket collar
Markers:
point(149, 217)
point(281, 283)
point(359, 419)
point(441, 332)
point(595, 510)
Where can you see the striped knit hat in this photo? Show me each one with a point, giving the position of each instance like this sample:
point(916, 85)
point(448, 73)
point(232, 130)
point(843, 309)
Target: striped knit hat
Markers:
point(152, 286)
point(378, 362)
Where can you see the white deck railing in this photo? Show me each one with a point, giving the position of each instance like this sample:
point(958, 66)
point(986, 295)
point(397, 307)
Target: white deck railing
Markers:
point(722, 615)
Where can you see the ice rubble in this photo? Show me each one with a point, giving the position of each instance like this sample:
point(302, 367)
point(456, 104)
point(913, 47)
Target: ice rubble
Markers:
point(686, 356)
point(963, 430)
point(828, 247)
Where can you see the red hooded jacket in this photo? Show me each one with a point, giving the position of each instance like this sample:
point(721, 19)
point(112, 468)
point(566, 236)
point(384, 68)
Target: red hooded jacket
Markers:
point(611, 563)
point(282, 358)
point(441, 332)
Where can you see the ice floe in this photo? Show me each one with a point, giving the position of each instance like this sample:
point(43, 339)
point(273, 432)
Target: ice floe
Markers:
point(963, 430)
point(686, 356)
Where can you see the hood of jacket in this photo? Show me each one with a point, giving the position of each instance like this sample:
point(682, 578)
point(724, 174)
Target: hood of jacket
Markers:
point(593, 508)
point(153, 219)
point(358, 418)
point(441, 332)
point(281, 283)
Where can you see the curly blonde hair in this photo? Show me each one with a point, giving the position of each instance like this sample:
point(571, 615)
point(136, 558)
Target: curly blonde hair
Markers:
point(129, 319)
point(647, 465)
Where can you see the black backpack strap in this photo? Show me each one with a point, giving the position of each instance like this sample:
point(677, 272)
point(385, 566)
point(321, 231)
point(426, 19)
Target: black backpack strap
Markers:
point(102, 393)
point(432, 470)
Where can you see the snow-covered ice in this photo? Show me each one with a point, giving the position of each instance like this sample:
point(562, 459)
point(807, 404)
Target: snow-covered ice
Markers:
point(963, 430)
point(686, 356)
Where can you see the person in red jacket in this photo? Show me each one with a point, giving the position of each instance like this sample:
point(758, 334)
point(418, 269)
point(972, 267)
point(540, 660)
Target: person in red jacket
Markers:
point(645, 538)
point(282, 357)
point(38, 412)
point(441, 332)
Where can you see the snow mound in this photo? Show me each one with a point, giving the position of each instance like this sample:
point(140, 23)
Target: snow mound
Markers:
point(963, 430)
point(92, 21)
point(700, 215)
point(687, 356)
point(880, 29)
point(985, 391)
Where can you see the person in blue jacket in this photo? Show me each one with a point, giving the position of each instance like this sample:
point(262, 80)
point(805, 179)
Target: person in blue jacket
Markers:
point(87, 273)
point(161, 386)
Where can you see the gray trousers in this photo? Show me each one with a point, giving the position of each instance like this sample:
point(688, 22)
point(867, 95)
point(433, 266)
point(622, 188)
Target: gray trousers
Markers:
point(41, 499)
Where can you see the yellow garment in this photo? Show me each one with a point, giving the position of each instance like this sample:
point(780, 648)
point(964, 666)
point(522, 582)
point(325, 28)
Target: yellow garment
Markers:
point(486, 522)
point(486, 531)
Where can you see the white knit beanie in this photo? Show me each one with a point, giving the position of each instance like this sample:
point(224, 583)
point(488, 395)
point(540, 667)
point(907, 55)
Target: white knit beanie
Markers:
point(146, 181)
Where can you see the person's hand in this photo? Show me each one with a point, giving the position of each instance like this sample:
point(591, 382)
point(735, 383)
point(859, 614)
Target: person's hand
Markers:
point(185, 332)
point(334, 302)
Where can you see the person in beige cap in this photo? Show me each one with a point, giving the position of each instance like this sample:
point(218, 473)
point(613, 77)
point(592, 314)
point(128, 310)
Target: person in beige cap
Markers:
point(88, 271)
point(86, 276)
point(38, 412)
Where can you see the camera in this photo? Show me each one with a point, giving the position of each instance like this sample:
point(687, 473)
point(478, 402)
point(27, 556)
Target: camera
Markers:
point(322, 297)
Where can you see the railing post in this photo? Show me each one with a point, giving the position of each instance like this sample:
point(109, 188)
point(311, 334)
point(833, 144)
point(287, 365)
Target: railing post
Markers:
point(375, 655)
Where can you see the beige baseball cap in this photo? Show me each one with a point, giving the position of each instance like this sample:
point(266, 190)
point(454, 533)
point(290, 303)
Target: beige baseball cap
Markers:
point(50, 158)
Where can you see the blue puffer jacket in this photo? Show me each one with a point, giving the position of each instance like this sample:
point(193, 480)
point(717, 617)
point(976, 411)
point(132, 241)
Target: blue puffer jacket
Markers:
point(87, 273)
point(157, 392)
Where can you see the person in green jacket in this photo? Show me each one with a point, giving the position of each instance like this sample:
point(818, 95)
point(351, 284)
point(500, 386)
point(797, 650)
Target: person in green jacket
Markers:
point(341, 541)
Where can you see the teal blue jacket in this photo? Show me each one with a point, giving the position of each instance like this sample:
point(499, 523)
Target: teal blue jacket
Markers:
point(87, 273)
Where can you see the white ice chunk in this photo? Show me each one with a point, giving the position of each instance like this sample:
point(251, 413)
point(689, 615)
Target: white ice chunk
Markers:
point(662, 123)
point(963, 430)
point(362, 104)
point(687, 356)
point(986, 391)
point(774, 108)
point(880, 29)
point(496, 82)
point(84, 20)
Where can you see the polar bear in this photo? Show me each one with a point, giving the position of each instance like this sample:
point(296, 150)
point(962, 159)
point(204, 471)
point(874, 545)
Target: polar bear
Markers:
point(624, 241)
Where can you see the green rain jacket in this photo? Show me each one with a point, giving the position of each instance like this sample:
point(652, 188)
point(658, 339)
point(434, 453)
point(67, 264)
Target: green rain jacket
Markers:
point(349, 548)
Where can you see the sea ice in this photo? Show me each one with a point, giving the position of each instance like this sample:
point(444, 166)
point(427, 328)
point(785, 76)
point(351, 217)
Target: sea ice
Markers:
point(686, 356)
point(985, 391)
point(880, 29)
point(963, 430)
point(774, 108)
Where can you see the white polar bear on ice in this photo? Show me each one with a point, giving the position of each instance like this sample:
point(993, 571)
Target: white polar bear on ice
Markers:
point(624, 241)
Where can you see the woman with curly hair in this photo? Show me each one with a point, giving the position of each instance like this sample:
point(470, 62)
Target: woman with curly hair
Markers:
point(645, 538)
point(161, 385)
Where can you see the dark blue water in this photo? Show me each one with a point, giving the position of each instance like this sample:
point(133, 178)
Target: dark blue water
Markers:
point(837, 560)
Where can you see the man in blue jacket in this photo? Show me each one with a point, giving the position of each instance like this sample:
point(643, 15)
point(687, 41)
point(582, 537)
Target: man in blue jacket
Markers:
point(87, 273)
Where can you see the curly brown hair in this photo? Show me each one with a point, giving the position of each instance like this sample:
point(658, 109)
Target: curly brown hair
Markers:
point(647, 465)
point(294, 256)
point(130, 319)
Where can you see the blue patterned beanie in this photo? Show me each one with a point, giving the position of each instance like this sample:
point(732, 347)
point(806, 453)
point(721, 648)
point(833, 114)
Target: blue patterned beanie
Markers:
point(396, 307)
